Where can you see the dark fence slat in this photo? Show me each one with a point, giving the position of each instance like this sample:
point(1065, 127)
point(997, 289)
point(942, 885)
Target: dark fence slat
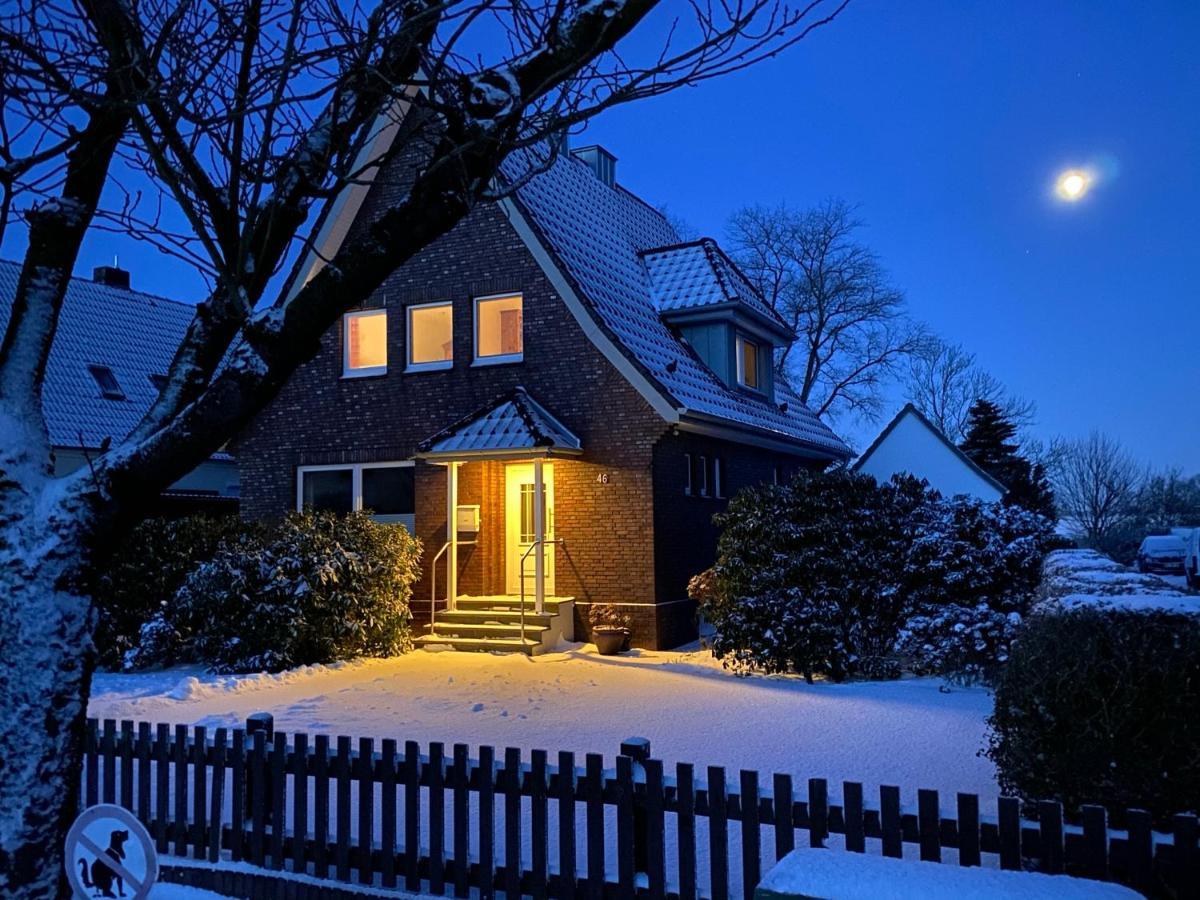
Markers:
point(437, 819)
point(595, 825)
point(512, 822)
point(462, 820)
point(785, 827)
point(258, 797)
point(625, 838)
point(342, 773)
point(487, 823)
point(1050, 828)
point(217, 794)
point(929, 825)
point(181, 790)
point(126, 750)
point(412, 816)
point(751, 837)
point(1010, 832)
point(237, 812)
point(685, 802)
point(1095, 842)
point(968, 830)
point(108, 752)
point(1140, 850)
point(889, 814)
point(299, 802)
point(852, 814)
point(818, 812)
point(321, 806)
point(144, 750)
point(656, 827)
point(91, 747)
point(366, 810)
point(539, 822)
point(1185, 855)
point(387, 817)
point(566, 825)
point(199, 792)
point(718, 834)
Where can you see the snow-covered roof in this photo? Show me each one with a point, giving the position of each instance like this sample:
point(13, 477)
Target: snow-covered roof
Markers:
point(514, 424)
point(597, 235)
point(698, 274)
point(132, 333)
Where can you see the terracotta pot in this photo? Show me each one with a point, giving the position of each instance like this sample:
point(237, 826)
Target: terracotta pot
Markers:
point(610, 641)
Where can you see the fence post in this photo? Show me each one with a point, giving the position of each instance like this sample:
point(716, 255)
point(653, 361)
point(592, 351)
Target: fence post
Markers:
point(638, 750)
point(256, 722)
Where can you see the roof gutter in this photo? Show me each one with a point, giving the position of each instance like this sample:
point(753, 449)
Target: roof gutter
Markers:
point(713, 426)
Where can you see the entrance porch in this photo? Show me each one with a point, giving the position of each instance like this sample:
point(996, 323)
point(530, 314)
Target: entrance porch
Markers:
point(508, 453)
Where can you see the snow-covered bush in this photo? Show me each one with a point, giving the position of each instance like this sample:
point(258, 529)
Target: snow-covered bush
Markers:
point(969, 577)
point(1099, 705)
point(837, 575)
point(145, 570)
point(316, 588)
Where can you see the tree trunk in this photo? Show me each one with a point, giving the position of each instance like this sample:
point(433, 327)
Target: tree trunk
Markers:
point(45, 672)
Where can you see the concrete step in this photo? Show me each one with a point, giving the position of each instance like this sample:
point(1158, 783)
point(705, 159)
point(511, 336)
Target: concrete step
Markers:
point(488, 629)
point(481, 645)
point(551, 605)
point(498, 616)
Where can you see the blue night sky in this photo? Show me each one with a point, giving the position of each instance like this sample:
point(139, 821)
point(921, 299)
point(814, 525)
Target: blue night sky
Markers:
point(946, 122)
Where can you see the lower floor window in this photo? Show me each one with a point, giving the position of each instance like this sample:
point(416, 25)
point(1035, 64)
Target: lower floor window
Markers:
point(385, 489)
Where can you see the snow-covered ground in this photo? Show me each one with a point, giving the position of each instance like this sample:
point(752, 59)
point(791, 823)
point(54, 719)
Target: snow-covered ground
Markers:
point(914, 733)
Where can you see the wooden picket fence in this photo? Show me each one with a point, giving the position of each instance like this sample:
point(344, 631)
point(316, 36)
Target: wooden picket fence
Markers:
point(428, 821)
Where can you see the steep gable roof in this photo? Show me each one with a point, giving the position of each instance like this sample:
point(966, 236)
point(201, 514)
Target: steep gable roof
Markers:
point(132, 333)
point(911, 410)
point(597, 234)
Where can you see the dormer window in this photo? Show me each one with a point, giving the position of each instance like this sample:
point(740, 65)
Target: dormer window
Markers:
point(748, 364)
point(110, 388)
point(365, 343)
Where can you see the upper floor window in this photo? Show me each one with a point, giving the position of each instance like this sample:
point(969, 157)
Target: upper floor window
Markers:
point(748, 373)
point(110, 388)
point(430, 336)
point(498, 336)
point(365, 342)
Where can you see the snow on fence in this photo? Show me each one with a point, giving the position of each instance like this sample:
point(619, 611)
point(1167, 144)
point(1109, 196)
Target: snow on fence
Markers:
point(528, 828)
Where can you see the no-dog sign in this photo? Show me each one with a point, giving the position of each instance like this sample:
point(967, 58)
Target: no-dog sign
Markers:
point(110, 854)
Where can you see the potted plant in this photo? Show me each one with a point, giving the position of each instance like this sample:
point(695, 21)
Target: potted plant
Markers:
point(610, 628)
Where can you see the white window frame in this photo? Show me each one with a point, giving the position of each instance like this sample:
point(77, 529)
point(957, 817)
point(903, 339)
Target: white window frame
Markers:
point(499, 359)
point(356, 499)
point(439, 365)
point(366, 371)
point(717, 486)
point(739, 344)
point(703, 476)
point(687, 484)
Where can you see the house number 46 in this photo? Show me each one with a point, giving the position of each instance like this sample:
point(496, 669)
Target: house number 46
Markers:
point(602, 478)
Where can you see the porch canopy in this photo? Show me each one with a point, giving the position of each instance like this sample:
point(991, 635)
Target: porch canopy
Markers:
point(515, 427)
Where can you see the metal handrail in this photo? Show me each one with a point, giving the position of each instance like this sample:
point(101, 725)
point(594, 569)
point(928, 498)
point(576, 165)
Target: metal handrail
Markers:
point(521, 577)
point(433, 584)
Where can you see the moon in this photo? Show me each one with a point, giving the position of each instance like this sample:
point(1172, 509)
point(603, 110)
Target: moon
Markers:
point(1072, 185)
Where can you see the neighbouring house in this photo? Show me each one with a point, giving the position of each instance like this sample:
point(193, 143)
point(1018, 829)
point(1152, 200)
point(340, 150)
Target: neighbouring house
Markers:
point(570, 386)
point(912, 444)
point(111, 353)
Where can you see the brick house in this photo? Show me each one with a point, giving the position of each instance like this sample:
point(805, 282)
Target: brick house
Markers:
point(564, 380)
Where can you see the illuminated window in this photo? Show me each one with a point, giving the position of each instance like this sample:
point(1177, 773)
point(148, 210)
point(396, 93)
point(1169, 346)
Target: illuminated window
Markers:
point(430, 336)
point(747, 363)
point(386, 489)
point(498, 329)
point(365, 340)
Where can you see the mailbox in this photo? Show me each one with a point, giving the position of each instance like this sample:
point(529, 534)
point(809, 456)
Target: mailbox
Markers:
point(468, 519)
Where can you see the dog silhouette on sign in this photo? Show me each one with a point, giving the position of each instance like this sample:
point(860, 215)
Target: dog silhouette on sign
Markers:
point(102, 877)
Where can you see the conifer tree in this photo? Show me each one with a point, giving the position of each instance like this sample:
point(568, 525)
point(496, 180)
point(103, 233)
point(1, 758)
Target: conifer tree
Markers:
point(990, 443)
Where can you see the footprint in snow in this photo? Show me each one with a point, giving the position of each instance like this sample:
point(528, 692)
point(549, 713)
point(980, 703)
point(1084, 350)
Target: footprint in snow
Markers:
point(478, 707)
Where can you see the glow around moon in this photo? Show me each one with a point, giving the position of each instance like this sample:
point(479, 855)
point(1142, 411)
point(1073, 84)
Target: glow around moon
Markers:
point(1073, 184)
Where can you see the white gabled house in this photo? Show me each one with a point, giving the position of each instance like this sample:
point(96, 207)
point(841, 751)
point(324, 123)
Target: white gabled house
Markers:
point(912, 444)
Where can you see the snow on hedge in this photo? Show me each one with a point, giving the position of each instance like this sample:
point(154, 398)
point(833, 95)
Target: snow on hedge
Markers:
point(1084, 578)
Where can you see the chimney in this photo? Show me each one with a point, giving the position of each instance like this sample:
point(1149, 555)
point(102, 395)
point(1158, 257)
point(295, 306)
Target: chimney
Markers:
point(112, 276)
point(602, 163)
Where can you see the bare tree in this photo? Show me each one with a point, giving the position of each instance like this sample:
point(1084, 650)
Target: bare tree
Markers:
point(221, 127)
point(1096, 486)
point(944, 380)
point(854, 332)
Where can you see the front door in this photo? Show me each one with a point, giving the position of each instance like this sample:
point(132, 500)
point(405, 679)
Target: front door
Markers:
point(518, 526)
